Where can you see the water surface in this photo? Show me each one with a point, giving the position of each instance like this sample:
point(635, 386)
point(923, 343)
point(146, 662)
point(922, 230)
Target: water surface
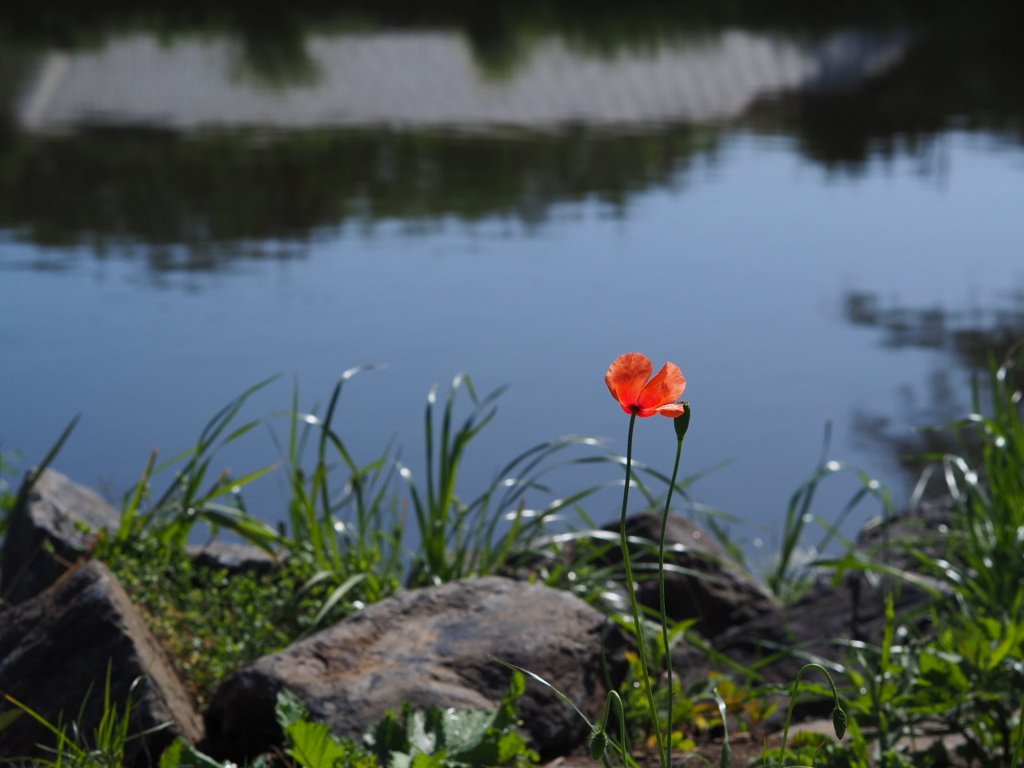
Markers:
point(820, 230)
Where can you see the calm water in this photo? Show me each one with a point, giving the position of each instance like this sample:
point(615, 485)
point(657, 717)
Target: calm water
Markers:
point(816, 226)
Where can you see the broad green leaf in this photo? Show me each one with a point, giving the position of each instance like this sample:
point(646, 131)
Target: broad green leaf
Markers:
point(314, 746)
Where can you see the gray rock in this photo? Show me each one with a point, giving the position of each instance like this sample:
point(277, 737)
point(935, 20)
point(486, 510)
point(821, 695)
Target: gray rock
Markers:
point(56, 651)
point(817, 628)
point(433, 647)
point(897, 541)
point(821, 625)
point(54, 524)
point(701, 581)
point(233, 557)
point(57, 522)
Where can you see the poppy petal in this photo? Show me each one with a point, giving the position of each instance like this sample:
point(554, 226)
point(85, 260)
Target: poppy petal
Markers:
point(626, 378)
point(665, 388)
point(672, 411)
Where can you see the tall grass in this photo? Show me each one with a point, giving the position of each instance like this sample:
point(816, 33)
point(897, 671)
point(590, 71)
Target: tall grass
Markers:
point(958, 669)
point(341, 514)
point(460, 535)
point(108, 745)
point(196, 494)
point(985, 568)
point(795, 567)
point(980, 631)
point(365, 529)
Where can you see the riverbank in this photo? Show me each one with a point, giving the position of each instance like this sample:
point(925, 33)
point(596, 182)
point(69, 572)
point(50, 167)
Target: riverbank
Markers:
point(945, 663)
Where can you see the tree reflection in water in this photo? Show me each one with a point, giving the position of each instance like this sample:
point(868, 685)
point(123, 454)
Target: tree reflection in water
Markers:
point(973, 339)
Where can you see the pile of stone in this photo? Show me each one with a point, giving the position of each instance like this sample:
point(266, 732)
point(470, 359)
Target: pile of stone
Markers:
point(71, 638)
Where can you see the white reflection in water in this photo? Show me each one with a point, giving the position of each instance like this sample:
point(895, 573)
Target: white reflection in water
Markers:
point(417, 79)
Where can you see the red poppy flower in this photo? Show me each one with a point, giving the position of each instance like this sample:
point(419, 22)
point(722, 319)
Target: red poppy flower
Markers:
point(627, 380)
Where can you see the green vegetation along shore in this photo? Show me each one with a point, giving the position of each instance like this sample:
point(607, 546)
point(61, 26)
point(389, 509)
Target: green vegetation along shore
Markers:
point(958, 673)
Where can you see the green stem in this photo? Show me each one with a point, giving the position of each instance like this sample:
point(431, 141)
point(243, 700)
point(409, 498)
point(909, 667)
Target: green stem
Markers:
point(838, 715)
point(631, 590)
point(667, 760)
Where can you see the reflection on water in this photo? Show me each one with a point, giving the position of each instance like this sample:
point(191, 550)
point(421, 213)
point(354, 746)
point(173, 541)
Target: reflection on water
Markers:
point(458, 167)
point(114, 146)
point(974, 338)
point(115, 189)
point(420, 80)
point(970, 334)
point(196, 140)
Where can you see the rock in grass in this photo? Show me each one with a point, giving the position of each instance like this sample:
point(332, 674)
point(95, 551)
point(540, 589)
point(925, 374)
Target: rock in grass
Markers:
point(702, 582)
point(53, 525)
point(56, 522)
point(822, 623)
point(433, 647)
point(56, 651)
point(234, 557)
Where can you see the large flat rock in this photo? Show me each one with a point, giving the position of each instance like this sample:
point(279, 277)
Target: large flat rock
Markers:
point(434, 647)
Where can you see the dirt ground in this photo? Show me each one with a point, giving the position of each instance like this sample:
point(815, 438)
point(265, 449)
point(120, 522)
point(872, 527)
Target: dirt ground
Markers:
point(745, 749)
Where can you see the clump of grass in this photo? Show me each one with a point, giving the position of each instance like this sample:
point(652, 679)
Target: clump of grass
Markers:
point(976, 657)
point(462, 536)
point(959, 673)
point(108, 745)
point(342, 517)
point(984, 568)
point(795, 568)
point(196, 495)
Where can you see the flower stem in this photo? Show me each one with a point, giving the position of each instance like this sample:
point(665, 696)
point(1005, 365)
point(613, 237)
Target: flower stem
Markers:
point(631, 590)
point(667, 759)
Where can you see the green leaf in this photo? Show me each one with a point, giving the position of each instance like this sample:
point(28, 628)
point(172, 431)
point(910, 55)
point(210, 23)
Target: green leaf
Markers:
point(8, 717)
point(421, 760)
point(314, 746)
point(386, 737)
point(452, 737)
point(940, 673)
point(422, 734)
point(181, 754)
point(171, 757)
point(463, 730)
